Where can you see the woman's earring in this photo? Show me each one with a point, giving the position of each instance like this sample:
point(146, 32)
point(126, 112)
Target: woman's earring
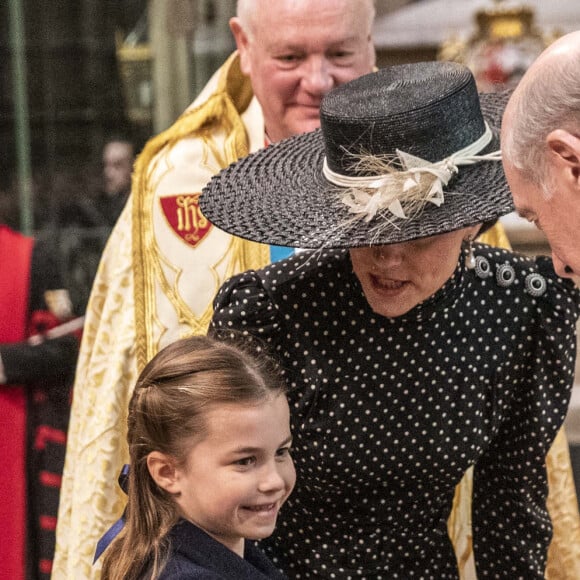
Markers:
point(470, 259)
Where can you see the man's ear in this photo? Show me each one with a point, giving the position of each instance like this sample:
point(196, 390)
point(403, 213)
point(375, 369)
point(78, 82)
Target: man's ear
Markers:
point(242, 43)
point(564, 150)
point(164, 472)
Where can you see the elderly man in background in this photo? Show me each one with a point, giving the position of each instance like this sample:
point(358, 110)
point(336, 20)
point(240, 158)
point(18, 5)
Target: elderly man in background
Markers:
point(541, 149)
point(164, 262)
point(38, 353)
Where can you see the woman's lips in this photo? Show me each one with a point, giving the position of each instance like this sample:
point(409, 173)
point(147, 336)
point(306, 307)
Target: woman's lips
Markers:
point(387, 285)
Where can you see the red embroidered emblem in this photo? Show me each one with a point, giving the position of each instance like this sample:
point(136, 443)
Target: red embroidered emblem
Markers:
point(185, 218)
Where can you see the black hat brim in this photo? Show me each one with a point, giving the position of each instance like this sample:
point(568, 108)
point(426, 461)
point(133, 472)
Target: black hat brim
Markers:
point(279, 196)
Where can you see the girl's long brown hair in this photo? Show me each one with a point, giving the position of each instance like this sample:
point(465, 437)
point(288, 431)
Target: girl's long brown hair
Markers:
point(165, 412)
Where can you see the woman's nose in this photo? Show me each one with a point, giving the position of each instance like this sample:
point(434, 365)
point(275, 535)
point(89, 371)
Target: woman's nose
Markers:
point(390, 254)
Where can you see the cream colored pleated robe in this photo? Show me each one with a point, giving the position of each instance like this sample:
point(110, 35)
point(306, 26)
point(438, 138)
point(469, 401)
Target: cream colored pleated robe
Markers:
point(159, 273)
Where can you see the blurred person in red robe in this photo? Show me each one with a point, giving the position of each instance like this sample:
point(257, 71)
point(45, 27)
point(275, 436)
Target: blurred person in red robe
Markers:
point(38, 352)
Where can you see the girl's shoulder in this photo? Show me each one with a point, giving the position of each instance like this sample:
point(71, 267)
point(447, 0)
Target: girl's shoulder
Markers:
point(180, 567)
point(195, 555)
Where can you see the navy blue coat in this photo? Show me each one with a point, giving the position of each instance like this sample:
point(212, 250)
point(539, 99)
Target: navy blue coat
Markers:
point(197, 556)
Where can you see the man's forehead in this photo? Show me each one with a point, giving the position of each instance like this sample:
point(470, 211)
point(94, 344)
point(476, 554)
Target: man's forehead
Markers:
point(313, 41)
point(342, 11)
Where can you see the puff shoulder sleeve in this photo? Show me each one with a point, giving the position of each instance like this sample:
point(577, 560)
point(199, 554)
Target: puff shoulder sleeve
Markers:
point(245, 306)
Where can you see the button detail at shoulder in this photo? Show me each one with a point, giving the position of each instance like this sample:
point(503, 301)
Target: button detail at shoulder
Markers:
point(505, 275)
point(482, 267)
point(535, 284)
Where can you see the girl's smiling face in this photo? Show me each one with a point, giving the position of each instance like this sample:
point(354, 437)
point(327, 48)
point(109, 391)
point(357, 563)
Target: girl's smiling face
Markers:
point(236, 478)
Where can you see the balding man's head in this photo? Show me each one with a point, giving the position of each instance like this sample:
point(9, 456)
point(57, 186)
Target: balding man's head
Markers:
point(541, 148)
point(249, 10)
point(547, 97)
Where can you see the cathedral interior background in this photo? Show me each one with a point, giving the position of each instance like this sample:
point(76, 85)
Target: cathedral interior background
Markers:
point(75, 72)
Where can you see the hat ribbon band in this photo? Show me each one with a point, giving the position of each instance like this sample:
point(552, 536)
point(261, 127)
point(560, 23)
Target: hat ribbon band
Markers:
point(404, 192)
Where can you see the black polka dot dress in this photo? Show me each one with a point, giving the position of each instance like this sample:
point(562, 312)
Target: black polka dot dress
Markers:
point(387, 414)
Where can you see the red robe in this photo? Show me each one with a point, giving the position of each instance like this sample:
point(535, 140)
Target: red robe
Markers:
point(15, 258)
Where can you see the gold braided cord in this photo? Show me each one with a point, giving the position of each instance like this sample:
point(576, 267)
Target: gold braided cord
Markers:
point(459, 522)
point(564, 552)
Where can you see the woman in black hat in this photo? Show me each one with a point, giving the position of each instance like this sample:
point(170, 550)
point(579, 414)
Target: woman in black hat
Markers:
point(411, 352)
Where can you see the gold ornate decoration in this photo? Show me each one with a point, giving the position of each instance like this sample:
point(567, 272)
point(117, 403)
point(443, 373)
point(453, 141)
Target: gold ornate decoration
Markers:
point(505, 43)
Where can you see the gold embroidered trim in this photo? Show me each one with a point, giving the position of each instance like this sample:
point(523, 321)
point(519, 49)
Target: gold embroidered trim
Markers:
point(219, 114)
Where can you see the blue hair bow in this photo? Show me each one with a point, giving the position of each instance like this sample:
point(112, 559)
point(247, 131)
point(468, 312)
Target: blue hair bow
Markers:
point(112, 532)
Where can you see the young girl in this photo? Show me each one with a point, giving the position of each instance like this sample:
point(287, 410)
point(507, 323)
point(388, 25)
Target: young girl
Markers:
point(209, 444)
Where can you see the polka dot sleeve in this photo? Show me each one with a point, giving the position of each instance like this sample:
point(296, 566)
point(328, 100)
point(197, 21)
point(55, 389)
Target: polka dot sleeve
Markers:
point(242, 306)
point(511, 525)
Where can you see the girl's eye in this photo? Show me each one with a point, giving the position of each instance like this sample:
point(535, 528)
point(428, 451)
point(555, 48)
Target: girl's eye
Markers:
point(246, 461)
point(283, 452)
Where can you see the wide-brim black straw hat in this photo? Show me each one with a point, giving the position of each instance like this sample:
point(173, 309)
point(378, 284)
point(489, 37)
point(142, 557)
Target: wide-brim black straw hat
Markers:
point(420, 143)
